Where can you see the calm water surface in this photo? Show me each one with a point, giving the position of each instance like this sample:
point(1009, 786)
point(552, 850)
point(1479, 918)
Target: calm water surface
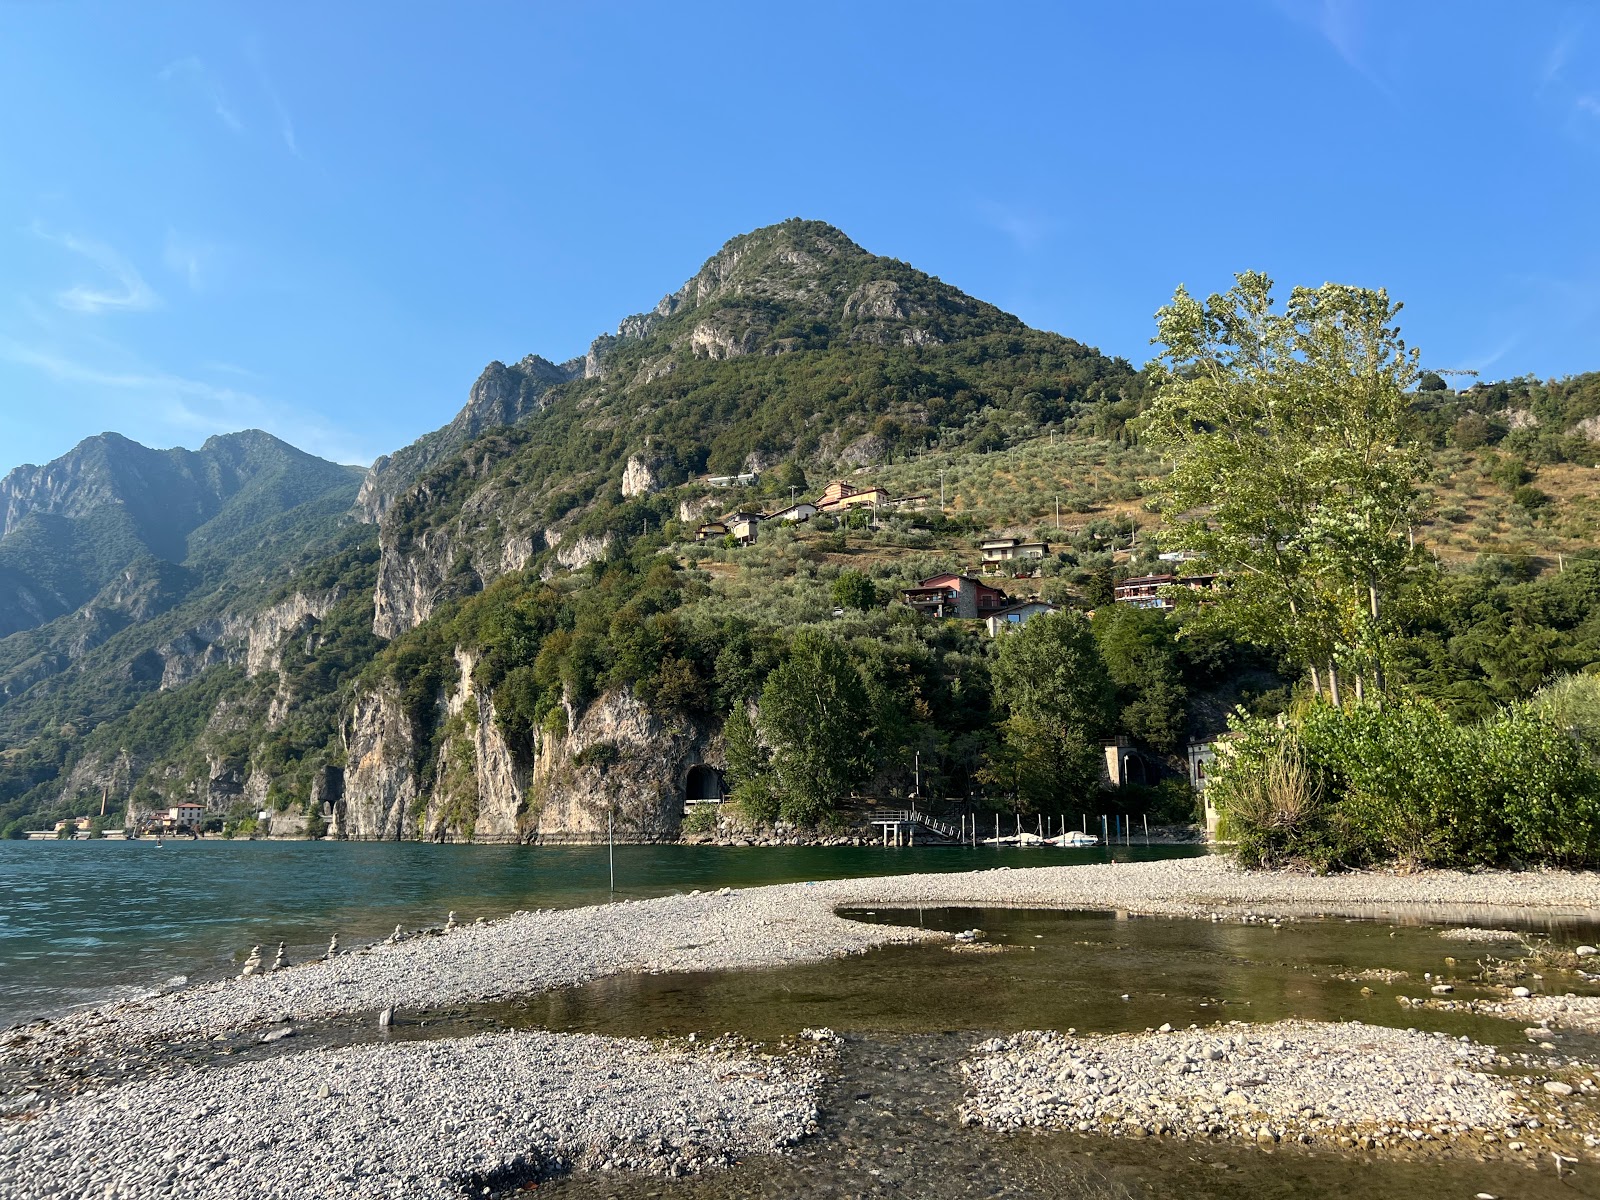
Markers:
point(910, 1014)
point(82, 922)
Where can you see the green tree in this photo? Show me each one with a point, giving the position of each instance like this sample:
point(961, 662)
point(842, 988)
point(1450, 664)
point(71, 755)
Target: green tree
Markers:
point(854, 590)
point(1141, 656)
point(1053, 683)
point(749, 774)
point(815, 717)
point(1292, 469)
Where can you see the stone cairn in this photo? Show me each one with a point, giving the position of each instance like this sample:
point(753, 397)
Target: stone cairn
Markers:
point(279, 961)
point(252, 965)
point(333, 947)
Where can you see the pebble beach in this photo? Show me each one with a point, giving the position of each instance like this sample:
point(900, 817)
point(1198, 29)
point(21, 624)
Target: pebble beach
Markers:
point(66, 1083)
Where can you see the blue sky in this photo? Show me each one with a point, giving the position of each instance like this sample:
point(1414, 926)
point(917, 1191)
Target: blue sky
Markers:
point(324, 219)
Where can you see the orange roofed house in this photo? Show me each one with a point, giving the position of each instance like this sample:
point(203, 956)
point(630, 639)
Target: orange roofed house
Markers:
point(954, 595)
point(840, 497)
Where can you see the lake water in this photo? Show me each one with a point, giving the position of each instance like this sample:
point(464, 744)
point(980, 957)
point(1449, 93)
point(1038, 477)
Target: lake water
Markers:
point(909, 1014)
point(83, 922)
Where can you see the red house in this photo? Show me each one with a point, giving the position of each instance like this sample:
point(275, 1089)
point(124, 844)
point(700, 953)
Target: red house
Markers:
point(954, 595)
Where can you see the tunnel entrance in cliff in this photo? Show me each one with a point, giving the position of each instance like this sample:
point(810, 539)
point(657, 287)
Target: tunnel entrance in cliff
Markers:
point(704, 786)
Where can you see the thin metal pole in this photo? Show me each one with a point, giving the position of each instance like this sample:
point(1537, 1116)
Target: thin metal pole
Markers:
point(611, 849)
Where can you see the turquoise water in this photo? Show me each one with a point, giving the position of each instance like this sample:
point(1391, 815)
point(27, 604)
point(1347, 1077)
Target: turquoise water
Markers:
point(83, 922)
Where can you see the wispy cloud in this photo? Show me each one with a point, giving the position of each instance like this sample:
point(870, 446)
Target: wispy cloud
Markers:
point(194, 259)
point(1026, 227)
point(1576, 106)
point(192, 72)
point(1343, 25)
point(1555, 62)
point(280, 110)
point(196, 405)
point(125, 291)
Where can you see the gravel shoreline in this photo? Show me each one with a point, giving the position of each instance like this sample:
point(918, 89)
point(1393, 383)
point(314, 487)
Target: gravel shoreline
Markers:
point(122, 1074)
point(477, 1116)
point(766, 927)
point(1345, 1084)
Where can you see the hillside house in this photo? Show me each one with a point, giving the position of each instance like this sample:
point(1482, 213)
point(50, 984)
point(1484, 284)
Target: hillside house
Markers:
point(1144, 591)
point(954, 595)
point(998, 550)
point(744, 526)
point(910, 503)
point(841, 497)
point(1016, 614)
point(727, 481)
point(711, 531)
point(803, 511)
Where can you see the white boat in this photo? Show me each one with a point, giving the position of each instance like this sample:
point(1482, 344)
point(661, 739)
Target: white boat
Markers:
point(1070, 839)
point(1074, 837)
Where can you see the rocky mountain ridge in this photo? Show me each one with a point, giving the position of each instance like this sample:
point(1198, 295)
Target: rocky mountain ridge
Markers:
point(69, 528)
point(339, 699)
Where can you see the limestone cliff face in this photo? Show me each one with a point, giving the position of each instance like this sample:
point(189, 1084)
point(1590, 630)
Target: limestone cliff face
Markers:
point(254, 641)
point(380, 782)
point(481, 792)
point(297, 615)
point(638, 477)
point(618, 757)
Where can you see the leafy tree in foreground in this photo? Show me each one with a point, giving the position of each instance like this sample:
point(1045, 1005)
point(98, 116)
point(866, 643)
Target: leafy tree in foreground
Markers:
point(816, 718)
point(1053, 682)
point(1292, 472)
point(1141, 656)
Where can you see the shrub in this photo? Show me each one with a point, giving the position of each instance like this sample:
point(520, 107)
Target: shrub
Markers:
point(702, 818)
point(1405, 783)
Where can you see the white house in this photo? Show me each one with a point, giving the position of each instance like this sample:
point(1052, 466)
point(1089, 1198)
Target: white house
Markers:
point(802, 511)
point(1017, 614)
point(187, 812)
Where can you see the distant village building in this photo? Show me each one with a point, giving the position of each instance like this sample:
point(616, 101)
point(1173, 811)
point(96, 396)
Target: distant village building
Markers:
point(727, 481)
point(955, 595)
point(186, 813)
point(744, 526)
point(1144, 591)
point(997, 550)
point(711, 531)
point(1017, 614)
point(840, 496)
point(1202, 756)
point(803, 511)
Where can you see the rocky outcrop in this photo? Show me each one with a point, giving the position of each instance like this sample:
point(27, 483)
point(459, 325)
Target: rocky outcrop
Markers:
point(381, 786)
point(196, 650)
point(575, 553)
point(296, 615)
point(501, 396)
point(411, 581)
point(619, 760)
point(697, 508)
point(638, 478)
point(1588, 429)
point(482, 789)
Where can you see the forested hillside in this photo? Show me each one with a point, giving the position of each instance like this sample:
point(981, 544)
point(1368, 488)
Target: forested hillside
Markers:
point(527, 636)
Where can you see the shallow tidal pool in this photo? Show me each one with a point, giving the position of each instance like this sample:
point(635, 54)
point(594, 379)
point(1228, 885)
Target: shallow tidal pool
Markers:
point(909, 1014)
